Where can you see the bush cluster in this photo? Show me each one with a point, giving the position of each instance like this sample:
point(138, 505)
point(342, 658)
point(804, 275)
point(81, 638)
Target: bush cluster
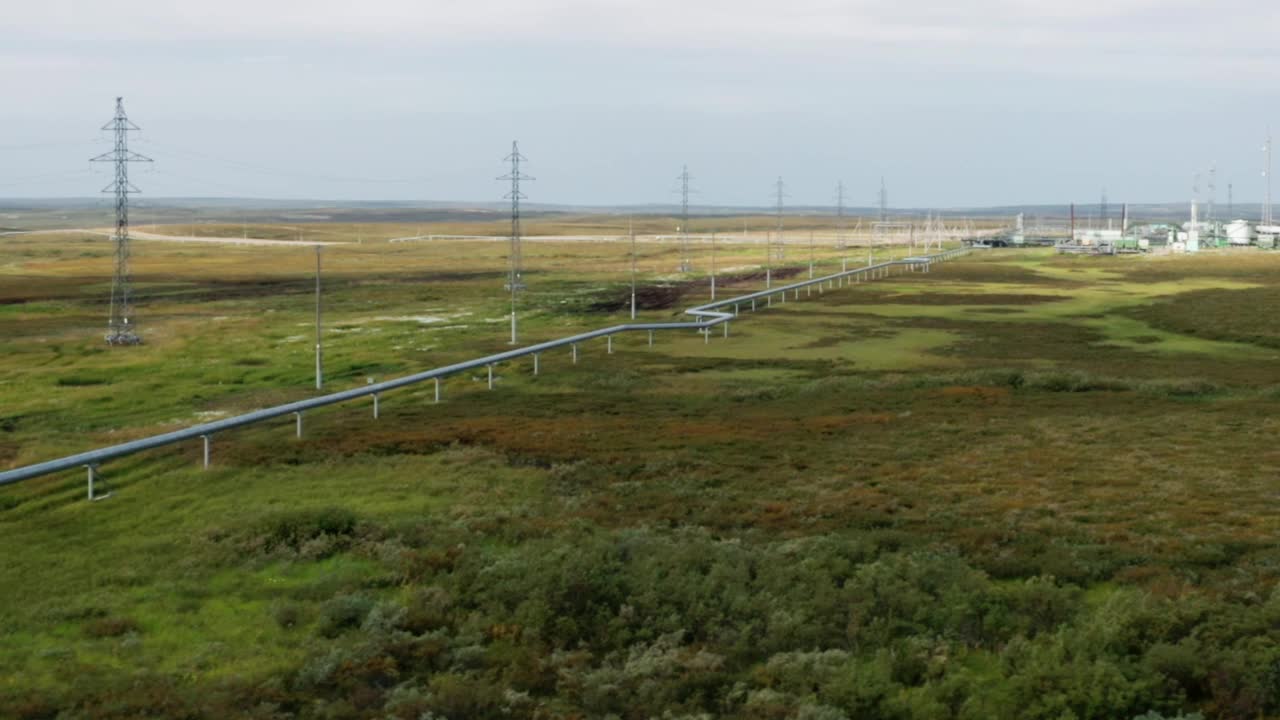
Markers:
point(680, 623)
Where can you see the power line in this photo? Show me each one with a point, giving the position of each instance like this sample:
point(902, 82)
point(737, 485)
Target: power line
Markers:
point(283, 172)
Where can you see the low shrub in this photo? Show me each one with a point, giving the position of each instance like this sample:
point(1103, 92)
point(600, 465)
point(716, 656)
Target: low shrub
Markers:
point(343, 612)
point(111, 627)
point(319, 532)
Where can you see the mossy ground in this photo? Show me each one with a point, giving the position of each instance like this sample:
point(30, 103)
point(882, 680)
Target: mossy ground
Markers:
point(1057, 470)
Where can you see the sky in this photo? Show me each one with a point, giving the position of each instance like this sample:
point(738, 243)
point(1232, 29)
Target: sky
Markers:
point(964, 103)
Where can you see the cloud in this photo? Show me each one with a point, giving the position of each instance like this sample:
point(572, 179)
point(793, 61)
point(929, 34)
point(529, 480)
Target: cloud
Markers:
point(940, 92)
point(1173, 40)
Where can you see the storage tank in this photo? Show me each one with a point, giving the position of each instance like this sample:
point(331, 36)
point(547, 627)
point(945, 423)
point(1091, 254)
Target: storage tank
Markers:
point(1239, 233)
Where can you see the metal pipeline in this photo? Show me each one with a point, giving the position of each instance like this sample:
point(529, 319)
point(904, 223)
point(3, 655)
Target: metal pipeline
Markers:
point(707, 316)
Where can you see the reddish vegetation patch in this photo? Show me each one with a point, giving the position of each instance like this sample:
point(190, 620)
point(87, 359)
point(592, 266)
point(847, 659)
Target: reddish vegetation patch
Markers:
point(830, 424)
point(940, 298)
point(111, 627)
point(986, 395)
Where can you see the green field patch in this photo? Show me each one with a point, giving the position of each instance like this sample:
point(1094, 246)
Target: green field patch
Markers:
point(1017, 486)
point(1130, 332)
point(1229, 314)
point(794, 337)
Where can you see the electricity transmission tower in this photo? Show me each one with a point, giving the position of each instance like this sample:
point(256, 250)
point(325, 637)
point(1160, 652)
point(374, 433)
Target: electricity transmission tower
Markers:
point(1266, 172)
point(780, 190)
point(840, 221)
point(841, 226)
point(1213, 196)
point(884, 201)
point(686, 262)
point(121, 326)
point(515, 281)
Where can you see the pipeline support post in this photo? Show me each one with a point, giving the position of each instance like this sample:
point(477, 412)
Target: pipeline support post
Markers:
point(375, 406)
point(205, 439)
point(609, 343)
point(90, 469)
point(650, 338)
point(298, 416)
point(535, 363)
point(490, 366)
point(574, 347)
point(437, 390)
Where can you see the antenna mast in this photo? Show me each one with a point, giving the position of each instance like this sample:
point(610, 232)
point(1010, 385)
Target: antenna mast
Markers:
point(515, 278)
point(121, 325)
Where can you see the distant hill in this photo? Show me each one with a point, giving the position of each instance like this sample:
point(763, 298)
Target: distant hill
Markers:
point(30, 213)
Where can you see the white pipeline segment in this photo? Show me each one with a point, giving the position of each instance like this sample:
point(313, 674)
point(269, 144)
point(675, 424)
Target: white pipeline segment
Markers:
point(706, 316)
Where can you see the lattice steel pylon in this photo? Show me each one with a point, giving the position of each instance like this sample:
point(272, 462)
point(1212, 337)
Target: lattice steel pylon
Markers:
point(841, 225)
point(686, 261)
point(1266, 173)
point(122, 327)
point(780, 191)
point(883, 199)
point(515, 280)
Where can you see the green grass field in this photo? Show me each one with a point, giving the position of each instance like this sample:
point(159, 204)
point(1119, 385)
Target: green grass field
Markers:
point(1021, 485)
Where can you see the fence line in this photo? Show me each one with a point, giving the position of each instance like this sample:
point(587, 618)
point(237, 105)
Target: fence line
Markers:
point(706, 317)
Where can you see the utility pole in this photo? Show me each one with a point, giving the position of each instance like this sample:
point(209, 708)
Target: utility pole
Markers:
point(1102, 212)
point(713, 266)
point(515, 281)
point(686, 262)
point(1231, 204)
point(631, 228)
point(810, 254)
point(319, 332)
point(768, 259)
point(121, 324)
point(781, 192)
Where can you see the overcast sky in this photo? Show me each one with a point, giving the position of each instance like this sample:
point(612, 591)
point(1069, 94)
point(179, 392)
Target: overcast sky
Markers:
point(956, 103)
